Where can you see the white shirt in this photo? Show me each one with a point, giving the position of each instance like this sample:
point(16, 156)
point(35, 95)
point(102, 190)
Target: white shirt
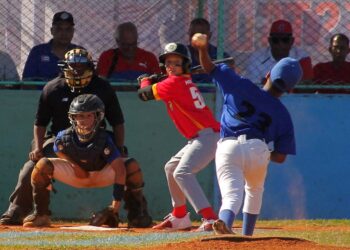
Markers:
point(8, 70)
point(261, 62)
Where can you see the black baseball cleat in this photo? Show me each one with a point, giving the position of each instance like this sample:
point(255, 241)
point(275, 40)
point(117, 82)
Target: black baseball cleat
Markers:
point(10, 220)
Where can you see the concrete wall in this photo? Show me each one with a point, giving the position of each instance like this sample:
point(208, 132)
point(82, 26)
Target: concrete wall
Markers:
point(150, 136)
point(313, 184)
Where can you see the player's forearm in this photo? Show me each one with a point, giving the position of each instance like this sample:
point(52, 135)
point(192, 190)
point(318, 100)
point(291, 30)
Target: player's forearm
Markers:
point(118, 164)
point(39, 135)
point(119, 134)
point(205, 60)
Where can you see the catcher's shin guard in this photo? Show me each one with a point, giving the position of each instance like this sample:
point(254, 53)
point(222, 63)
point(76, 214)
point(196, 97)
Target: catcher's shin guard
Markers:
point(135, 202)
point(41, 180)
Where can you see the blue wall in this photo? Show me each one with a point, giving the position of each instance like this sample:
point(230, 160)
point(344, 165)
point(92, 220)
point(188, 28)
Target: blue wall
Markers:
point(315, 182)
point(312, 184)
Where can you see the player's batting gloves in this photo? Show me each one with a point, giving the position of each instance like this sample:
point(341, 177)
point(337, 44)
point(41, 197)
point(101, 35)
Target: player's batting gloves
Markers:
point(105, 217)
point(141, 77)
point(157, 78)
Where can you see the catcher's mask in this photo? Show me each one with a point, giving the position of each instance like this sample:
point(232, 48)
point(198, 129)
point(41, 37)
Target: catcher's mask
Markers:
point(177, 49)
point(78, 68)
point(86, 103)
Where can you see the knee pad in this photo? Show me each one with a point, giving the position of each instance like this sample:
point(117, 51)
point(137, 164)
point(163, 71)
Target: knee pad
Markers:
point(42, 173)
point(134, 177)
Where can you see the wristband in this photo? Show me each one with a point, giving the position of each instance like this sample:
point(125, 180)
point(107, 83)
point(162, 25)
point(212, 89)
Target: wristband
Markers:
point(123, 150)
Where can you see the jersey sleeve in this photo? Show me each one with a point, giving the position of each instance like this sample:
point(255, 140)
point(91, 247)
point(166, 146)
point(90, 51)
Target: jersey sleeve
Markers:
point(30, 69)
point(164, 90)
point(43, 114)
point(285, 144)
point(113, 111)
point(225, 77)
point(114, 152)
point(56, 145)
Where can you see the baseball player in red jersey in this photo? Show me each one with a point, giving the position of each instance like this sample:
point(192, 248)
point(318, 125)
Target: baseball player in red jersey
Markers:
point(195, 121)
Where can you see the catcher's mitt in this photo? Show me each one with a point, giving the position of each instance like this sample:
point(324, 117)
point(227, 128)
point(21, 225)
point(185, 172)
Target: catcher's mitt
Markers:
point(105, 217)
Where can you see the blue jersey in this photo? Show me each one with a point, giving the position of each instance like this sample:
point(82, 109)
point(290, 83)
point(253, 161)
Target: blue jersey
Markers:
point(250, 110)
point(41, 64)
point(213, 51)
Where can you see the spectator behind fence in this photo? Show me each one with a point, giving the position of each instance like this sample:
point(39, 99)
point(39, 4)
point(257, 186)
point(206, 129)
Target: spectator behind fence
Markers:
point(201, 25)
point(8, 71)
point(41, 64)
point(127, 61)
point(281, 45)
point(336, 71)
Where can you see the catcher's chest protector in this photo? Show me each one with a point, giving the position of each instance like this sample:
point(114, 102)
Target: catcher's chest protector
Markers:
point(91, 157)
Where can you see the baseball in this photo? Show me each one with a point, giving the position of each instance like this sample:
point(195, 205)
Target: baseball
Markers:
point(199, 39)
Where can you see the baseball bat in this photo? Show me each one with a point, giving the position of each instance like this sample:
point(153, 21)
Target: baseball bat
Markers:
point(199, 69)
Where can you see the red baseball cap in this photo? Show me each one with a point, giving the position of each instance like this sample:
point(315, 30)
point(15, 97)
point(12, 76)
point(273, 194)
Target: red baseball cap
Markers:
point(281, 27)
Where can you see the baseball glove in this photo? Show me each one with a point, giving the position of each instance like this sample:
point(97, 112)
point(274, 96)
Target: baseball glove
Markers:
point(105, 217)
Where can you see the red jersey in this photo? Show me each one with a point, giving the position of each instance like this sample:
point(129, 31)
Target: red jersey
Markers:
point(326, 73)
point(185, 105)
point(145, 63)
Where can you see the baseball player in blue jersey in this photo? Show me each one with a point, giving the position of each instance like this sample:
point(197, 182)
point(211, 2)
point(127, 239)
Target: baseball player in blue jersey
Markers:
point(252, 118)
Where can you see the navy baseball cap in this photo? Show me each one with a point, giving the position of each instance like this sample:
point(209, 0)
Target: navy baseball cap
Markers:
point(286, 74)
point(63, 16)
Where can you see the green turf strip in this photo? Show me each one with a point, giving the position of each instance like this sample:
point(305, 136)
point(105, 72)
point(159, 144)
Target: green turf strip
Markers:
point(65, 239)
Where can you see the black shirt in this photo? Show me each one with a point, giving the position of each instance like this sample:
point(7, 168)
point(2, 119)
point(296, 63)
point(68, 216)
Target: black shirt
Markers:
point(56, 97)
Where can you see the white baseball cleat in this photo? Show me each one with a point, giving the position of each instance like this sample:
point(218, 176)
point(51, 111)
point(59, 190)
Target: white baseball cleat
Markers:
point(206, 226)
point(173, 223)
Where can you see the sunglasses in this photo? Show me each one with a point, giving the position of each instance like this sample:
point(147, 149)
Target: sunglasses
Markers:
point(277, 40)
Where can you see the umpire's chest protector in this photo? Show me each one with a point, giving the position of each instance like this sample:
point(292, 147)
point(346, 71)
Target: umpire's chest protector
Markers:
point(91, 156)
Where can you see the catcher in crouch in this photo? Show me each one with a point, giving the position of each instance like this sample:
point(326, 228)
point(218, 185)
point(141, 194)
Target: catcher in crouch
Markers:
point(195, 121)
point(87, 158)
point(78, 77)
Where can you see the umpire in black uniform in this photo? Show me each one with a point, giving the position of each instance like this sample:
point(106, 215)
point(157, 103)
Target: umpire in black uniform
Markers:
point(78, 78)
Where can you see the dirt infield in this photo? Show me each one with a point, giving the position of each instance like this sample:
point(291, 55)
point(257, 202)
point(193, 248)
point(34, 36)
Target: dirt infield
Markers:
point(239, 243)
point(186, 240)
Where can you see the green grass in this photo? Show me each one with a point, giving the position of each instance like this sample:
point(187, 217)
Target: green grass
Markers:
point(323, 232)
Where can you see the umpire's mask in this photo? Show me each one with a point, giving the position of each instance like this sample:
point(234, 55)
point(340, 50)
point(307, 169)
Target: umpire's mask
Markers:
point(78, 68)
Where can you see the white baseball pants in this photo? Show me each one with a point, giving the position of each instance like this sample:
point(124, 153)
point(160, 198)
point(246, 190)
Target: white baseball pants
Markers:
point(241, 165)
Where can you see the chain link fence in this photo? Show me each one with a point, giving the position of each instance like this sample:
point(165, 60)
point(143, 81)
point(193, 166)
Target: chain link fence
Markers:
point(239, 27)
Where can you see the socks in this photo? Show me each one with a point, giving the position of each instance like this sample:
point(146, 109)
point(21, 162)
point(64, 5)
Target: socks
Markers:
point(179, 212)
point(249, 223)
point(228, 217)
point(208, 213)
